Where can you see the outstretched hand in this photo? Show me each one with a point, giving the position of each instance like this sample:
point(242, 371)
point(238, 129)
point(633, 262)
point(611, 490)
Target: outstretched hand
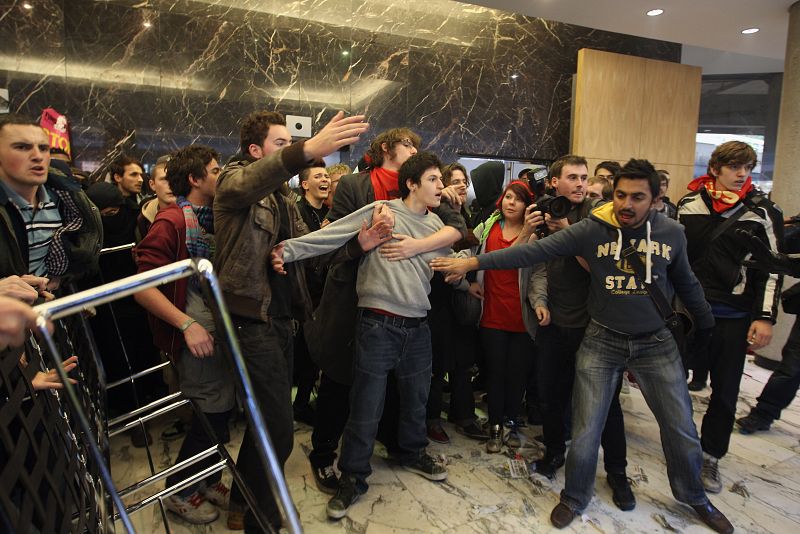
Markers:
point(339, 132)
point(460, 266)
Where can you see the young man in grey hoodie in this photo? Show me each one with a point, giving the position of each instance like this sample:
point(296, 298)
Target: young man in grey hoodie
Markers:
point(392, 330)
point(626, 331)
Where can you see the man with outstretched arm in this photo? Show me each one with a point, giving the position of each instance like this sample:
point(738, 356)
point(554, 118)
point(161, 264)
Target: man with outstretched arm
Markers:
point(626, 332)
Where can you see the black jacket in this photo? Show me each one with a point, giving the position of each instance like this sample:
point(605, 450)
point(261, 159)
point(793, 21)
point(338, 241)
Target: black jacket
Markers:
point(718, 263)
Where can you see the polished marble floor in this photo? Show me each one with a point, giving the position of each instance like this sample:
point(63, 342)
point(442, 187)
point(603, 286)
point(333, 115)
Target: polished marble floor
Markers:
point(761, 476)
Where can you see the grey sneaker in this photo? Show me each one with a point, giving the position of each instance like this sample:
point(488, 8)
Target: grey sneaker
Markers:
point(193, 509)
point(427, 467)
point(709, 474)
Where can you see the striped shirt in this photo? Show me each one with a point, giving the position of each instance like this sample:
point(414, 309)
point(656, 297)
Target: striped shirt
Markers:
point(41, 222)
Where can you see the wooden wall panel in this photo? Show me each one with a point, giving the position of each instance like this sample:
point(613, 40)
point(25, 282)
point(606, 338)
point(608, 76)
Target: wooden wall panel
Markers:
point(608, 103)
point(670, 112)
point(633, 107)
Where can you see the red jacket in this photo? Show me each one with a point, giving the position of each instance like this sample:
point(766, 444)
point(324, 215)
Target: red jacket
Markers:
point(165, 243)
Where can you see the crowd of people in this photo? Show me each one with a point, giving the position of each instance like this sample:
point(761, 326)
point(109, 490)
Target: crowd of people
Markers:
point(377, 289)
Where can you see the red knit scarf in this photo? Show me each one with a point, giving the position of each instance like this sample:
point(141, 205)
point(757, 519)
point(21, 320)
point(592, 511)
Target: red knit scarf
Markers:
point(721, 201)
point(384, 183)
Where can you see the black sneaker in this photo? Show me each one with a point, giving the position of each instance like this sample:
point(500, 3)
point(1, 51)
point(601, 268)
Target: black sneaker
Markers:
point(326, 479)
point(346, 496)
point(548, 465)
point(752, 424)
point(622, 494)
point(473, 431)
point(427, 467)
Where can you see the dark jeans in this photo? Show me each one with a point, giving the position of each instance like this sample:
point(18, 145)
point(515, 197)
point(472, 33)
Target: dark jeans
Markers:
point(509, 356)
point(726, 357)
point(333, 407)
point(196, 441)
point(382, 346)
point(556, 368)
point(267, 352)
point(656, 364)
point(781, 388)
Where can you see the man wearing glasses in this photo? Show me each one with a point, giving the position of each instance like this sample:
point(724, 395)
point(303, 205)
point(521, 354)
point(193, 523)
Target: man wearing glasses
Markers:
point(744, 301)
point(330, 333)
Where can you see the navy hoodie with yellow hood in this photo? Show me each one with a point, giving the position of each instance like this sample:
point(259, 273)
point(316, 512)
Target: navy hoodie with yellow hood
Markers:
point(617, 300)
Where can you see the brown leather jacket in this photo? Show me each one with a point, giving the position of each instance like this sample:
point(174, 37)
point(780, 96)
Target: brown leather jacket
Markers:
point(246, 225)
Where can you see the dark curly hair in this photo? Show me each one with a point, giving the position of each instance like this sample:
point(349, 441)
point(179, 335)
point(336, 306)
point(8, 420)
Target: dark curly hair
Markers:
point(640, 169)
point(188, 161)
point(255, 128)
point(413, 168)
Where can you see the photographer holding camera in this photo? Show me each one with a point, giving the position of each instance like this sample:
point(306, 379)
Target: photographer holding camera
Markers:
point(567, 295)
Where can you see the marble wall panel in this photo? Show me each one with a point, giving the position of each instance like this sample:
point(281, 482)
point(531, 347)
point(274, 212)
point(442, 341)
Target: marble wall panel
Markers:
point(147, 77)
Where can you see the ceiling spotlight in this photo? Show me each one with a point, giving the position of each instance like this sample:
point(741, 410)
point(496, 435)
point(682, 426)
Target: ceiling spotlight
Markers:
point(27, 5)
point(748, 31)
point(147, 24)
point(345, 52)
point(654, 12)
point(514, 76)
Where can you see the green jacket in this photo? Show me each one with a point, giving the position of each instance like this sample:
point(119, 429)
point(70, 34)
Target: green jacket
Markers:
point(82, 246)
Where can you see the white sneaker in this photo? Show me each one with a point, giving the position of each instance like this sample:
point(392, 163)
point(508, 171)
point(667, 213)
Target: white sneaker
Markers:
point(218, 494)
point(193, 509)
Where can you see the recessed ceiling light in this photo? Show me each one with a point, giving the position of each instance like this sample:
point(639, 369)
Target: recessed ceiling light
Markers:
point(654, 12)
point(345, 52)
point(27, 5)
point(514, 76)
point(147, 24)
point(748, 31)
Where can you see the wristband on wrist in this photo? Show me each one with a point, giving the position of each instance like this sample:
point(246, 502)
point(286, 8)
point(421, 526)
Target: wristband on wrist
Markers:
point(189, 322)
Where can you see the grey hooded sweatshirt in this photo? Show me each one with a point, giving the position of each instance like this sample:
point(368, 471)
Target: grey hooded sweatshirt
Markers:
point(617, 300)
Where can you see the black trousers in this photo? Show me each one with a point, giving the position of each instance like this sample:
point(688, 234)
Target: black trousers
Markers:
point(453, 347)
point(556, 369)
point(333, 408)
point(726, 357)
point(305, 371)
point(782, 386)
point(267, 351)
point(509, 356)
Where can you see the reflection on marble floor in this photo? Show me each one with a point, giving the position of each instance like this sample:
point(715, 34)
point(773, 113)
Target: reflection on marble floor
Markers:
point(761, 477)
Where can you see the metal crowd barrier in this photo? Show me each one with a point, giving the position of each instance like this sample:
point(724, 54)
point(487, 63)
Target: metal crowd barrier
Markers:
point(86, 300)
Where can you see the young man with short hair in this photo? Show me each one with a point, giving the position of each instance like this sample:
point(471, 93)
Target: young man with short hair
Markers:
point(127, 174)
point(626, 331)
point(392, 332)
point(164, 197)
point(182, 324)
point(49, 228)
point(744, 301)
point(330, 333)
point(335, 173)
point(568, 290)
point(252, 213)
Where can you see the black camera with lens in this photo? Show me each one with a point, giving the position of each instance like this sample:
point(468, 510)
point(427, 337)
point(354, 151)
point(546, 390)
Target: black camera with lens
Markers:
point(557, 207)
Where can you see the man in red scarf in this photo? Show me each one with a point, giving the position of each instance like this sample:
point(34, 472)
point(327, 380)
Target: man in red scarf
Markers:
point(744, 301)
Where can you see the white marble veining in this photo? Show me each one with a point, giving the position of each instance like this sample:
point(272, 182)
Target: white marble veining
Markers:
point(761, 476)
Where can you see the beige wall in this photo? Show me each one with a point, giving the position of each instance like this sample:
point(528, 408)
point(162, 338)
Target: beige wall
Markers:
point(628, 107)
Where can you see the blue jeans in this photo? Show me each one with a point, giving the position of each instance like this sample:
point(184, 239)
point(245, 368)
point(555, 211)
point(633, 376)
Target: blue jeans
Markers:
point(382, 346)
point(656, 364)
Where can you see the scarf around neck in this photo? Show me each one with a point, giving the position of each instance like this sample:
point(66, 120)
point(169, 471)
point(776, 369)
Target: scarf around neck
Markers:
point(384, 183)
point(721, 201)
point(198, 218)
